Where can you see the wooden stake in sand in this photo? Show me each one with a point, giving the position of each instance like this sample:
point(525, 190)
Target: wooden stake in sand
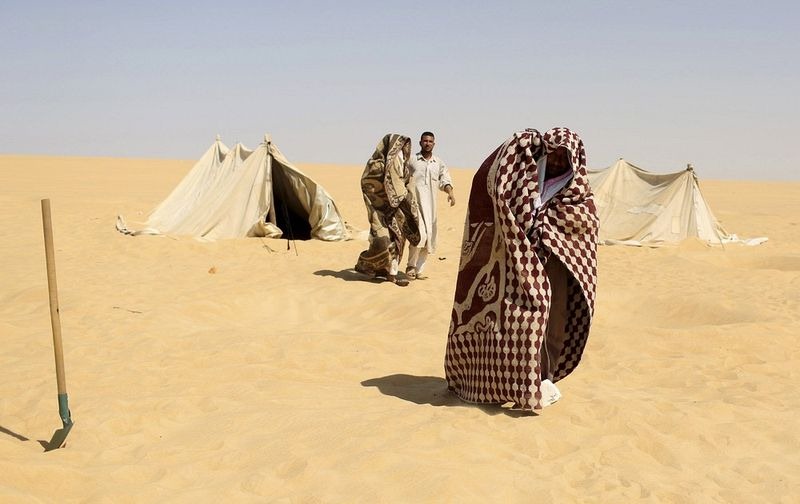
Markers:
point(60, 435)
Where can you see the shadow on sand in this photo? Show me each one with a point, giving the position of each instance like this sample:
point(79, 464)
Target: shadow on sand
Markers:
point(349, 275)
point(58, 440)
point(432, 390)
point(13, 434)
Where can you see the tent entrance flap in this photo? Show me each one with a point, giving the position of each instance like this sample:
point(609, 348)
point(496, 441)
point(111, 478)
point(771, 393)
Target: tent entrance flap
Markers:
point(290, 216)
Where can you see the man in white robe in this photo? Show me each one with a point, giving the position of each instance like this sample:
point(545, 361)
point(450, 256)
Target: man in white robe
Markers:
point(430, 176)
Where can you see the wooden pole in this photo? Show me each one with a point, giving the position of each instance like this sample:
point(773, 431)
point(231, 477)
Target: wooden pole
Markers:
point(55, 319)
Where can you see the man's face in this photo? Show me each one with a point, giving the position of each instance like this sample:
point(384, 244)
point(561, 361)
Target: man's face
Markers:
point(426, 143)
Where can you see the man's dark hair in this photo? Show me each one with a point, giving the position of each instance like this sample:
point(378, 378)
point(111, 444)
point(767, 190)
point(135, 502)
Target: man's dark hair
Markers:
point(426, 133)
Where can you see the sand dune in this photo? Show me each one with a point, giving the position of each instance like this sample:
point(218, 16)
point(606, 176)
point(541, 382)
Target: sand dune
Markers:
point(243, 371)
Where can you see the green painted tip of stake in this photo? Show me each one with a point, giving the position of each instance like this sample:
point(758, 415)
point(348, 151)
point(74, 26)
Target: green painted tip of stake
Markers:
point(63, 410)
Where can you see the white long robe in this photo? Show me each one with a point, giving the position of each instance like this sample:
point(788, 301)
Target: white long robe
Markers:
point(429, 176)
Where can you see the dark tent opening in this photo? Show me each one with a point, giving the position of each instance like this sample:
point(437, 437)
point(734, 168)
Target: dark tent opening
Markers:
point(290, 216)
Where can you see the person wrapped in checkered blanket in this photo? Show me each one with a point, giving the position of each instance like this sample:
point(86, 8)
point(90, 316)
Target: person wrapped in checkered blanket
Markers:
point(525, 292)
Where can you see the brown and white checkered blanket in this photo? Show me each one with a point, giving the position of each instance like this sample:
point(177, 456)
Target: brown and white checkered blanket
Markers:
point(502, 298)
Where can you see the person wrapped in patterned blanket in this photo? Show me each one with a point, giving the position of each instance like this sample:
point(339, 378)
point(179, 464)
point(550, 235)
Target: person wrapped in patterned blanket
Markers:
point(392, 209)
point(525, 292)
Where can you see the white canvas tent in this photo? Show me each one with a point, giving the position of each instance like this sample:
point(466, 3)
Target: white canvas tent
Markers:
point(637, 207)
point(231, 193)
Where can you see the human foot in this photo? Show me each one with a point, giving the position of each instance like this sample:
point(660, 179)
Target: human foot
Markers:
point(397, 281)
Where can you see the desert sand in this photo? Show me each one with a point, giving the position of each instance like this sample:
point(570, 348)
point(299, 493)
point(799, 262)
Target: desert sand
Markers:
point(243, 371)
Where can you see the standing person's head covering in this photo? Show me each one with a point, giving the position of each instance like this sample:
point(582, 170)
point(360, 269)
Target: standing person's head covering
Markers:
point(502, 298)
point(391, 205)
point(385, 173)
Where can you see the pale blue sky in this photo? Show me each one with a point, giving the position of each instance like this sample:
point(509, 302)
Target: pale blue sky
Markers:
point(659, 83)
